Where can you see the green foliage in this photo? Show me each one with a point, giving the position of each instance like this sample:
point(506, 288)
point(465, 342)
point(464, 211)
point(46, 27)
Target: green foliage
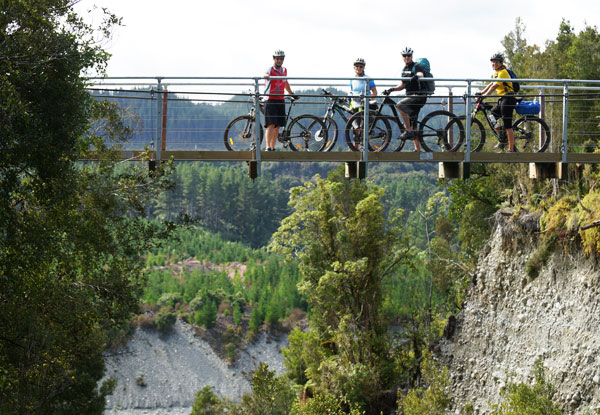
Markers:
point(431, 399)
point(70, 235)
point(207, 402)
point(169, 300)
point(207, 315)
point(346, 250)
point(540, 256)
point(522, 399)
point(165, 320)
point(270, 395)
point(567, 218)
point(325, 404)
point(570, 56)
point(265, 282)
point(224, 200)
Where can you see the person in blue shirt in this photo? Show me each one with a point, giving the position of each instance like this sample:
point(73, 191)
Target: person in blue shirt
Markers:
point(357, 86)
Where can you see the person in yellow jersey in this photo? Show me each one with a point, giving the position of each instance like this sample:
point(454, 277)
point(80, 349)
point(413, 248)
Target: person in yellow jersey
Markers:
point(506, 104)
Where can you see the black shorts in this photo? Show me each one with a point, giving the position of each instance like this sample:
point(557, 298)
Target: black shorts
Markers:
point(275, 113)
point(412, 104)
point(504, 108)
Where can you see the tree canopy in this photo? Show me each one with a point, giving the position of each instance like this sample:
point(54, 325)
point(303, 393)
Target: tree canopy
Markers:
point(71, 235)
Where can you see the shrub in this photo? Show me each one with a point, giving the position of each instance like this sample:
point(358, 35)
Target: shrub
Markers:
point(169, 300)
point(141, 382)
point(541, 256)
point(165, 320)
point(524, 399)
point(432, 399)
point(325, 404)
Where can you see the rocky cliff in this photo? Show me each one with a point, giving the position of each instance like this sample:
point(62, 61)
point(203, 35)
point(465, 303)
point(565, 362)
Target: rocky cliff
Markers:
point(159, 374)
point(510, 320)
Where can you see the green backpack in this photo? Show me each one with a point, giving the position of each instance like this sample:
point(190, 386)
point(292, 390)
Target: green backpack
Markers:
point(428, 86)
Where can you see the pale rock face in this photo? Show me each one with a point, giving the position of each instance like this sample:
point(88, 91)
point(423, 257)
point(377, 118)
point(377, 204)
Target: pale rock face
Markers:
point(510, 321)
point(174, 367)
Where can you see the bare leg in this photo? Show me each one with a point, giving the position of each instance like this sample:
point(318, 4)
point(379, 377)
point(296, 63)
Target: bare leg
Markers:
point(271, 136)
point(510, 135)
point(407, 124)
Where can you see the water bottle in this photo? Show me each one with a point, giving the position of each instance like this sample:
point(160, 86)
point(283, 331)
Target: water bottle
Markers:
point(491, 119)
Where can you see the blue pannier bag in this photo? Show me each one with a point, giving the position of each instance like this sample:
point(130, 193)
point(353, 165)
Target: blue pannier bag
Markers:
point(528, 107)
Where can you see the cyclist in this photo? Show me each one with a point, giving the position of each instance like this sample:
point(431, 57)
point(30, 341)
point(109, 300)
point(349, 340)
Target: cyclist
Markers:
point(357, 88)
point(506, 104)
point(275, 105)
point(416, 95)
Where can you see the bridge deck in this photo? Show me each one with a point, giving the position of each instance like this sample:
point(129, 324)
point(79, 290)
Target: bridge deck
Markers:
point(338, 156)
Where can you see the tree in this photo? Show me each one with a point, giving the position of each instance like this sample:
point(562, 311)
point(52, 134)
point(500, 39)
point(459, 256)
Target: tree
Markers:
point(71, 235)
point(346, 250)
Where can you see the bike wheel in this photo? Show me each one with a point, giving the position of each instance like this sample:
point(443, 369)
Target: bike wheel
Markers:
point(378, 136)
point(332, 134)
point(306, 133)
point(477, 137)
point(531, 134)
point(437, 127)
point(240, 134)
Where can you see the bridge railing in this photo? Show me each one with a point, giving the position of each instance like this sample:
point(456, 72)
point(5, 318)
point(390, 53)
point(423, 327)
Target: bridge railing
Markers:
point(191, 113)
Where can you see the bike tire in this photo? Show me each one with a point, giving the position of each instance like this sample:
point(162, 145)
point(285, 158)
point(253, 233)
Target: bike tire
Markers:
point(435, 128)
point(532, 134)
point(306, 132)
point(332, 134)
point(240, 134)
point(477, 137)
point(379, 135)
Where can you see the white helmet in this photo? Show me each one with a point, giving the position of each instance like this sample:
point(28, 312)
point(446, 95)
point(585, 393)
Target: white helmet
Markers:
point(359, 61)
point(407, 51)
point(279, 53)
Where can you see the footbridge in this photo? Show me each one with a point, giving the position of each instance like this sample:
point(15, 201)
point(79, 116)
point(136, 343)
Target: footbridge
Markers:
point(185, 118)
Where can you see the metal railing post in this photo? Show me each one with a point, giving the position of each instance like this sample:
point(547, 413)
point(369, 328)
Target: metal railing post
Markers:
point(159, 119)
point(468, 122)
point(450, 109)
point(365, 128)
point(543, 116)
point(163, 134)
point(565, 121)
point(257, 126)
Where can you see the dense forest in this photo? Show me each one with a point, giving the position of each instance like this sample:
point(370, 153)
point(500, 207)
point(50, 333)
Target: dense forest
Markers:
point(374, 268)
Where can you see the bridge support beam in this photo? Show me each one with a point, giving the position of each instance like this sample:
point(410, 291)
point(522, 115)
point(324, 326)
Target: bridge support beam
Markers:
point(548, 170)
point(356, 169)
point(253, 169)
point(454, 170)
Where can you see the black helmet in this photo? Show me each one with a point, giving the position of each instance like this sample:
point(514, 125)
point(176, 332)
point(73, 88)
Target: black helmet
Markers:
point(497, 57)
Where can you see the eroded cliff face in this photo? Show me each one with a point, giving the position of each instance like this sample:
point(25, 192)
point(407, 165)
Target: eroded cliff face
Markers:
point(509, 321)
point(160, 374)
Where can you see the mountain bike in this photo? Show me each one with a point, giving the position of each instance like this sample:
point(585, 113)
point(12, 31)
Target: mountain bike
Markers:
point(305, 132)
point(432, 131)
point(532, 134)
point(337, 105)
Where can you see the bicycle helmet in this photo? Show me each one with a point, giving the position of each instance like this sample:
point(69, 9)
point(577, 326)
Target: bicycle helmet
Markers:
point(359, 61)
point(497, 57)
point(279, 53)
point(407, 51)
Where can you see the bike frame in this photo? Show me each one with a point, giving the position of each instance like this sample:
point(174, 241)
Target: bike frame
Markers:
point(483, 108)
point(334, 107)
